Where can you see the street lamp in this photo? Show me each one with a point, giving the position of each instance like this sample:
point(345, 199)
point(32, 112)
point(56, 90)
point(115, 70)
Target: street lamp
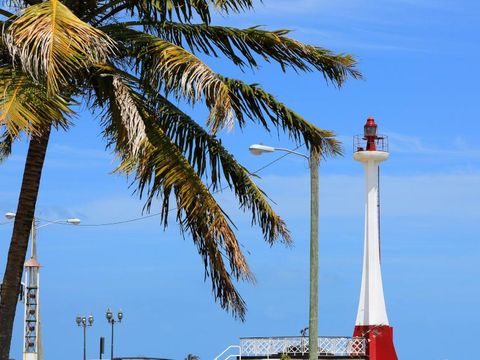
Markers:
point(71, 221)
point(314, 161)
point(111, 320)
point(83, 321)
point(10, 215)
point(35, 227)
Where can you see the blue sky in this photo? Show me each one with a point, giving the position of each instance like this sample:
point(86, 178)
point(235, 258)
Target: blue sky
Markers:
point(421, 84)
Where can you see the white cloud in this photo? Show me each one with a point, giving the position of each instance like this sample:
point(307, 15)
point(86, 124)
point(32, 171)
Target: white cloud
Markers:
point(459, 148)
point(384, 25)
point(361, 39)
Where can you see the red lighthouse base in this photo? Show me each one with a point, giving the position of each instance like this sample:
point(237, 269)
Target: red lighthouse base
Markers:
point(379, 341)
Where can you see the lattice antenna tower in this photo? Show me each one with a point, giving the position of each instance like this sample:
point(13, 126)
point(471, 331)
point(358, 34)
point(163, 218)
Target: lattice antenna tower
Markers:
point(32, 342)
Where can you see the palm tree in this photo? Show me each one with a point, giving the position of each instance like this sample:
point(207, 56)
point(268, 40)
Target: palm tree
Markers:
point(132, 61)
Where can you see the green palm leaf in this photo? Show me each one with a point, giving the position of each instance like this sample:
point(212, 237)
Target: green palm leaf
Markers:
point(205, 152)
point(170, 68)
point(258, 105)
point(242, 45)
point(25, 105)
point(162, 10)
point(162, 170)
point(6, 143)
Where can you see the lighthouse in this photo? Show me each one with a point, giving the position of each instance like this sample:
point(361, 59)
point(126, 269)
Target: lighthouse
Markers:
point(372, 321)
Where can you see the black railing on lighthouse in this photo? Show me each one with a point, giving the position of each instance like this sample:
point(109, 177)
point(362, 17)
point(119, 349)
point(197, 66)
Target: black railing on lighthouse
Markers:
point(360, 143)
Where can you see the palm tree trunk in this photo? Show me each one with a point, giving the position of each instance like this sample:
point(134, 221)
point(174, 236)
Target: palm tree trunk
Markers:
point(19, 242)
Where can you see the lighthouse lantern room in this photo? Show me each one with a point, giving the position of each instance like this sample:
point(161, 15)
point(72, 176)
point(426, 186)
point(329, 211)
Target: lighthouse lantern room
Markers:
point(372, 322)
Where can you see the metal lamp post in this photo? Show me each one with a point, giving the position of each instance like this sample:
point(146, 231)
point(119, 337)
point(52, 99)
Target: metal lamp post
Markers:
point(314, 161)
point(111, 320)
point(83, 321)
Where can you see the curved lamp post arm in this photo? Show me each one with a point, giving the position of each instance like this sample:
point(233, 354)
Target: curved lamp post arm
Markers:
point(259, 149)
point(73, 221)
point(292, 152)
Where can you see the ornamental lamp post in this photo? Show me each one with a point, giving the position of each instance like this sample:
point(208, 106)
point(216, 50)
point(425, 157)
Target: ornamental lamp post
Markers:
point(111, 320)
point(84, 322)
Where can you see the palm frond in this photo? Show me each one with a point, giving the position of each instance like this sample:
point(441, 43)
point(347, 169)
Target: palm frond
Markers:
point(184, 10)
point(205, 152)
point(257, 104)
point(132, 119)
point(163, 10)
point(242, 45)
point(6, 143)
point(25, 105)
point(52, 44)
point(162, 170)
point(6, 13)
point(233, 5)
point(84, 9)
point(172, 69)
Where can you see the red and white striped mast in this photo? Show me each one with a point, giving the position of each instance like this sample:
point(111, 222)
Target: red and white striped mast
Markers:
point(372, 321)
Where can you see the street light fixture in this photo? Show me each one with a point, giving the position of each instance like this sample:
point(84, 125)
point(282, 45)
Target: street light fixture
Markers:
point(314, 162)
point(260, 149)
point(111, 320)
point(84, 322)
point(10, 215)
point(74, 221)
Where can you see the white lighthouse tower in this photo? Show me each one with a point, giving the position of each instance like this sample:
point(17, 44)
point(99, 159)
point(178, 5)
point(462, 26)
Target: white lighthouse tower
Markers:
point(372, 321)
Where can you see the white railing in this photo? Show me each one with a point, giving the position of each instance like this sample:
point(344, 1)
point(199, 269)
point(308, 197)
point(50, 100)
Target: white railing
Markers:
point(231, 356)
point(327, 346)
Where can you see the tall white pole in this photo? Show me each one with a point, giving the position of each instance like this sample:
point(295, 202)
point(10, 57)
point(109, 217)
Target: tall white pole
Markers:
point(371, 308)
